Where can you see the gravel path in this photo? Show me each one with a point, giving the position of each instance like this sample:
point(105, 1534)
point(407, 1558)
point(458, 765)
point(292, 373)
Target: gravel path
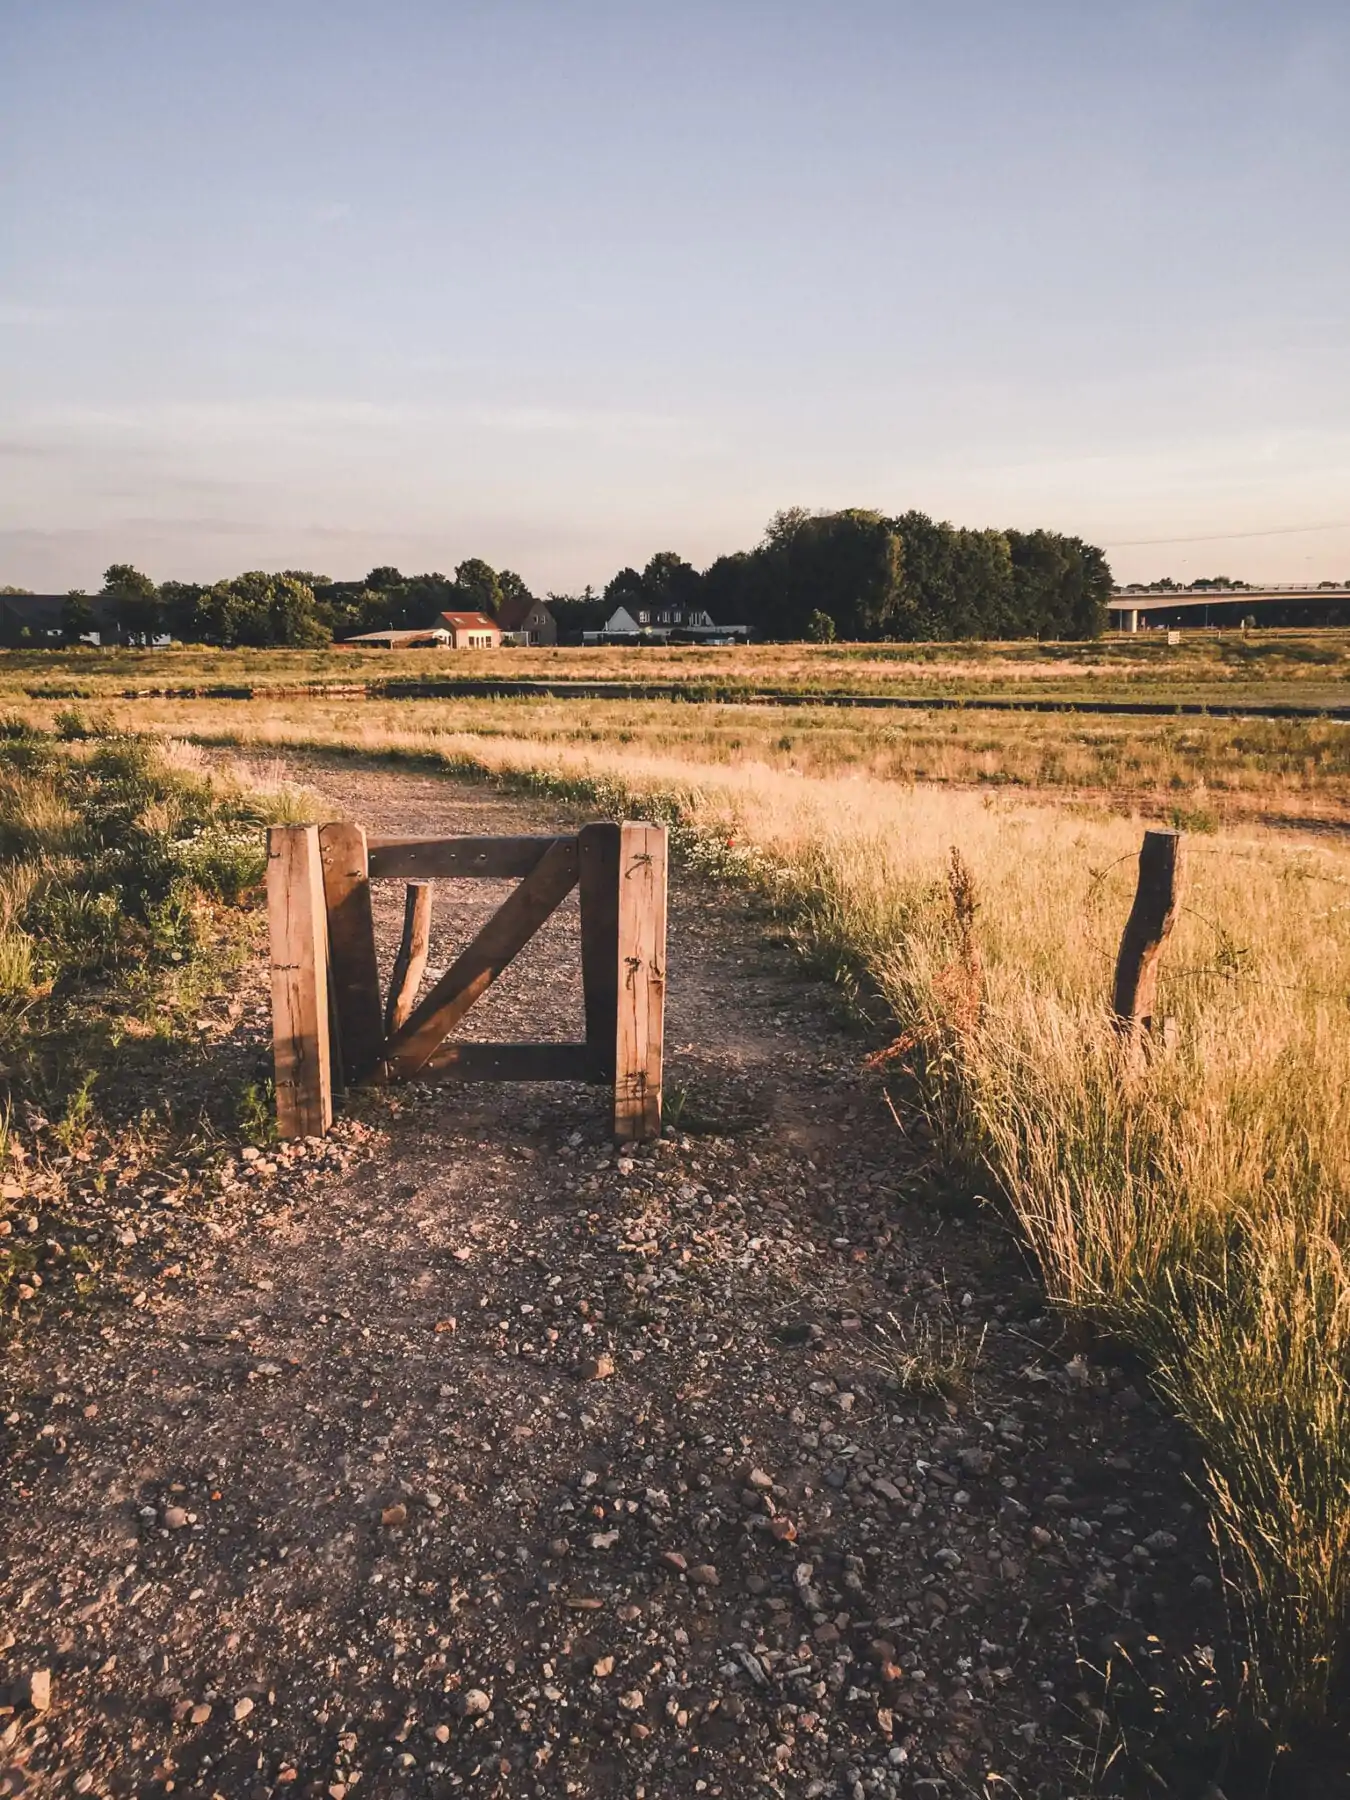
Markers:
point(471, 1457)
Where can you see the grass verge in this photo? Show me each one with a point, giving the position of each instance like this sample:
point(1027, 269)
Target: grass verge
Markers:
point(127, 888)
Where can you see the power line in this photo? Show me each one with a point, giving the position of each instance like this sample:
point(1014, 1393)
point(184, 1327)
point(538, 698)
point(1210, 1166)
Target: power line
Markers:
point(1223, 537)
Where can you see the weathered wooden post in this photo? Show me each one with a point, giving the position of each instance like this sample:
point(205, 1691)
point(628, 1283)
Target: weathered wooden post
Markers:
point(642, 981)
point(351, 950)
point(298, 928)
point(1156, 898)
point(410, 965)
point(598, 881)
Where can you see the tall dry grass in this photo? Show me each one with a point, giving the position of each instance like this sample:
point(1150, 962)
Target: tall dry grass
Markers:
point(1200, 771)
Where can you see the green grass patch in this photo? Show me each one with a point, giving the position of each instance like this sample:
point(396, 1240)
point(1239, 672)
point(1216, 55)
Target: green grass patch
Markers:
point(128, 883)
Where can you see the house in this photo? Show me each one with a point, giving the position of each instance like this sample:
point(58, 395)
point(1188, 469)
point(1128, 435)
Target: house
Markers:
point(470, 630)
point(525, 620)
point(620, 628)
point(435, 638)
point(665, 624)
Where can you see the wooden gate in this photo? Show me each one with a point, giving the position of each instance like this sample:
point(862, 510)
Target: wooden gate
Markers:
point(333, 1027)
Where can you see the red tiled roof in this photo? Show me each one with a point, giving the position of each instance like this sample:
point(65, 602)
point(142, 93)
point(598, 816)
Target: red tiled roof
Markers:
point(470, 621)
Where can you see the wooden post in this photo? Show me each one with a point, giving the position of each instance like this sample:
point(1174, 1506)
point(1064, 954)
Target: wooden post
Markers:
point(410, 965)
point(641, 981)
point(1161, 867)
point(598, 875)
point(297, 922)
point(351, 947)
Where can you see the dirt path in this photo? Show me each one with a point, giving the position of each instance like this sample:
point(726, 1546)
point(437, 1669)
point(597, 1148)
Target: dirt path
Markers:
point(498, 1464)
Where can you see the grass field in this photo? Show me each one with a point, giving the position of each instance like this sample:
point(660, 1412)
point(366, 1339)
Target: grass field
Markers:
point(128, 889)
point(1259, 667)
point(1197, 1211)
point(1196, 772)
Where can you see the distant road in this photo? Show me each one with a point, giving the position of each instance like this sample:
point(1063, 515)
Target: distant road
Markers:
point(1119, 606)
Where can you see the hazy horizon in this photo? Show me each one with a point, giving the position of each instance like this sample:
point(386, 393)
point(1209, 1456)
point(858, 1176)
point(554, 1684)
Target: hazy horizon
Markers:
point(560, 286)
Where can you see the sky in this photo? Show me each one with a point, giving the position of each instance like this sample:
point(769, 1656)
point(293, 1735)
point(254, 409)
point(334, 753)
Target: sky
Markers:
point(326, 284)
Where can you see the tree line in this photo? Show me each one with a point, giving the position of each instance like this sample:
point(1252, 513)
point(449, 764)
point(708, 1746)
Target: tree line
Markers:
point(294, 608)
point(852, 574)
point(857, 574)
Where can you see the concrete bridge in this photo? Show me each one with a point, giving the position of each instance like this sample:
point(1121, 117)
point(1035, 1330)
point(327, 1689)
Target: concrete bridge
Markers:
point(1128, 611)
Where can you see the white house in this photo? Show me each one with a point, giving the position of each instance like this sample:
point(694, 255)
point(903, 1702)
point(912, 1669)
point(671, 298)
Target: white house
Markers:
point(659, 624)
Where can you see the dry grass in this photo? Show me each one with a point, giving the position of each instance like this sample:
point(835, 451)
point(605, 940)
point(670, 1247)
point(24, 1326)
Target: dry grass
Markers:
point(1309, 666)
point(1195, 772)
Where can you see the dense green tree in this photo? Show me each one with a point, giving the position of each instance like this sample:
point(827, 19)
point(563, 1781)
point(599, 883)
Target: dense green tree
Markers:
point(132, 600)
point(77, 616)
point(386, 600)
point(928, 596)
point(575, 613)
point(477, 587)
point(510, 586)
point(668, 580)
point(626, 589)
point(180, 604)
point(729, 588)
point(384, 580)
point(1062, 585)
point(258, 610)
point(848, 564)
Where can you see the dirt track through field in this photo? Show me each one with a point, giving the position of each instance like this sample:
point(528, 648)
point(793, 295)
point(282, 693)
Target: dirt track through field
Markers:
point(496, 1463)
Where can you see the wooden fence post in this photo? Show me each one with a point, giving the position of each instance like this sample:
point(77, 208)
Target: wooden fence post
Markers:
point(598, 879)
point(642, 981)
point(298, 927)
point(351, 949)
point(1156, 897)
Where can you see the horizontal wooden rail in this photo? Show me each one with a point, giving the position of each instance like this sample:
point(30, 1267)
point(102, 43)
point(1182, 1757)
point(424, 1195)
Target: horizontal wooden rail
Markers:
point(423, 859)
point(510, 1062)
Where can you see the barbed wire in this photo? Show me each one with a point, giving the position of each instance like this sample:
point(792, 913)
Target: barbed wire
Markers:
point(1231, 955)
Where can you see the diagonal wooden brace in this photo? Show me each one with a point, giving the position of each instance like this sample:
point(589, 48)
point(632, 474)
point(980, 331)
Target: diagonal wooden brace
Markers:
point(506, 933)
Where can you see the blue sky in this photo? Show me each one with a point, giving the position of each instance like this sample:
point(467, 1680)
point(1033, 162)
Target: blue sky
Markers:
point(329, 283)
